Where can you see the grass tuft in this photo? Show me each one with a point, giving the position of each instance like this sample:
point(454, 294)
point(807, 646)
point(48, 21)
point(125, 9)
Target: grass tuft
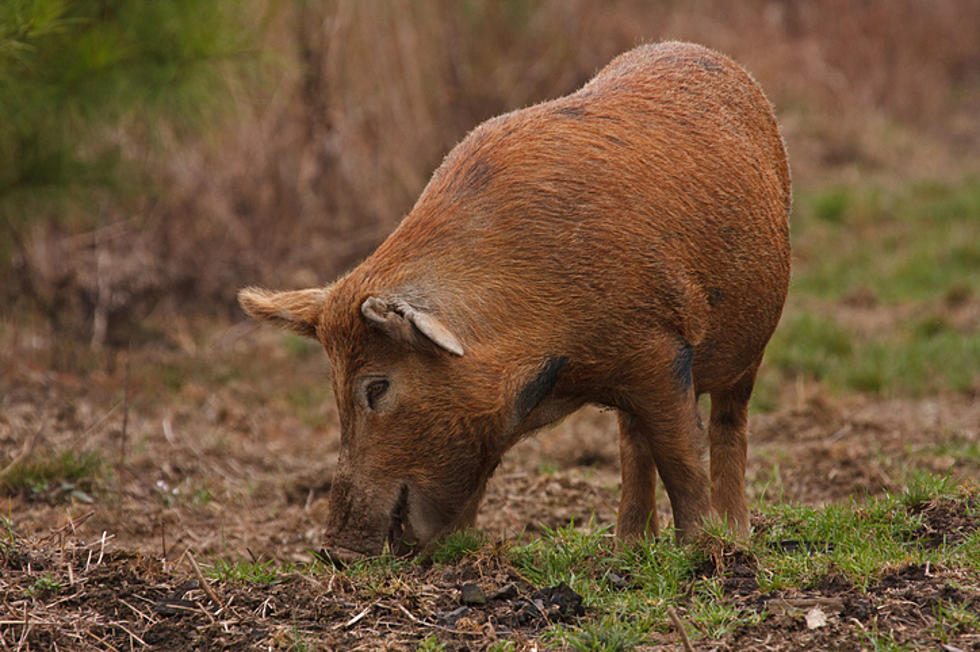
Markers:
point(457, 545)
point(44, 585)
point(72, 471)
point(251, 572)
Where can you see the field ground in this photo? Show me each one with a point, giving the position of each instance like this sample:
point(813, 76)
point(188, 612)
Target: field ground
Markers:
point(214, 446)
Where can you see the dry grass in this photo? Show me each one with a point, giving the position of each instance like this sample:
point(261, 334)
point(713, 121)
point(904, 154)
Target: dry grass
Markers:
point(359, 101)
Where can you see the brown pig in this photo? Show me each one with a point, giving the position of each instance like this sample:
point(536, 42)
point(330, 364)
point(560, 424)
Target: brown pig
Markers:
point(626, 245)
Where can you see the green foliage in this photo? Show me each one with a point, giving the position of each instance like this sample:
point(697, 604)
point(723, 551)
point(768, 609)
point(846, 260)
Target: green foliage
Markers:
point(430, 644)
point(251, 572)
point(923, 487)
point(883, 641)
point(717, 616)
point(809, 344)
point(502, 646)
point(612, 633)
point(912, 359)
point(457, 545)
point(857, 541)
point(564, 554)
point(70, 469)
point(953, 618)
point(918, 243)
point(43, 585)
point(831, 206)
point(76, 74)
point(8, 539)
point(798, 548)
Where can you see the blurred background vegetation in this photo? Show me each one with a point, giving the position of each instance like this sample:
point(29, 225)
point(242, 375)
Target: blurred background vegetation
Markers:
point(155, 156)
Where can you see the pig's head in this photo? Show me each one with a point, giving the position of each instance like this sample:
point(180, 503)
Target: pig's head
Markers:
point(424, 421)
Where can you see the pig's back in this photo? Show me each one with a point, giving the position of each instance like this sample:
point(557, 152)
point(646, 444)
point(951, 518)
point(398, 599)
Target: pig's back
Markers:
point(658, 193)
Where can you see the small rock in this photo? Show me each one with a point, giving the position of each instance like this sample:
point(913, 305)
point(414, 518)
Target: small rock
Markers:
point(617, 581)
point(526, 613)
point(452, 617)
point(508, 592)
point(560, 602)
point(472, 594)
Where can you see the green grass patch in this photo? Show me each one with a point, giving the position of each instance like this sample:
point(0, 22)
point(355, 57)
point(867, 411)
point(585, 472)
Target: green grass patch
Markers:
point(953, 619)
point(917, 243)
point(457, 545)
point(262, 573)
point(70, 473)
point(917, 359)
point(628, 589)
point(430, 644)
point(46, 584)
point(245, 571)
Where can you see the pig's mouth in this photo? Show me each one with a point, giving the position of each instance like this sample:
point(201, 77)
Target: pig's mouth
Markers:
point(400, 539)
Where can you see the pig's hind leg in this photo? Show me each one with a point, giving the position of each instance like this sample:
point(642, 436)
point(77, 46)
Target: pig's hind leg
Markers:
point(662, 436)
point(728, 437)
point(638, 497)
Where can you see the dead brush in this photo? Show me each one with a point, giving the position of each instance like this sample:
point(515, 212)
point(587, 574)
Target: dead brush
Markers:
point(362, 101)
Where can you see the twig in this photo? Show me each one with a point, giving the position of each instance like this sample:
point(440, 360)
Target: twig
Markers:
point(168, 432)
point(27, 628)
point(101, 639)
point(124, 437)
point(207, 613)
point(353, 621)
point(138, 612)
point(426, 623)
point(131, 634)
point(680, 629)
point(203, 582)
point(30, 621)
point(71, 524)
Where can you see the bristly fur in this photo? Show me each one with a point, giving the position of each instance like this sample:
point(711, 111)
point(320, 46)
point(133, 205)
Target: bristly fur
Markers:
point(647, 209)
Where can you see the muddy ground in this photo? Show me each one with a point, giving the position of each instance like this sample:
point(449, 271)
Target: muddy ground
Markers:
point(221, 446)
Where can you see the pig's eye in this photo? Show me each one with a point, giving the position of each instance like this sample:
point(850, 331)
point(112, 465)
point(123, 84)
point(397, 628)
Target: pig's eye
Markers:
point(374, 391)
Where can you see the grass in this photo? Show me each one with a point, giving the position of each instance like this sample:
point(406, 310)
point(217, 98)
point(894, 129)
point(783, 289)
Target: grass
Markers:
point(252, 572)
point(430, 644)
point(43, 585)
point(799, 547)
point(914, 244)
point(70, 474)
point(457, 545)
point(8, 539)
point(912, 360)
point(262, 573)
point(912, 255)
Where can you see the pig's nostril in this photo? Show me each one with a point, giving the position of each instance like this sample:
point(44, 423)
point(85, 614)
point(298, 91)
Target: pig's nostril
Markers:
point(399, 516)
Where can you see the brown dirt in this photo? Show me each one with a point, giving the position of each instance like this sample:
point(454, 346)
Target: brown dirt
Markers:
point(899, 606)
point(225, 449)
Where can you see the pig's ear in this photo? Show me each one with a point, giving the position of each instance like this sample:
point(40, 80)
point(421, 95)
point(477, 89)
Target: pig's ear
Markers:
point(298, 310)
point(404, 322)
